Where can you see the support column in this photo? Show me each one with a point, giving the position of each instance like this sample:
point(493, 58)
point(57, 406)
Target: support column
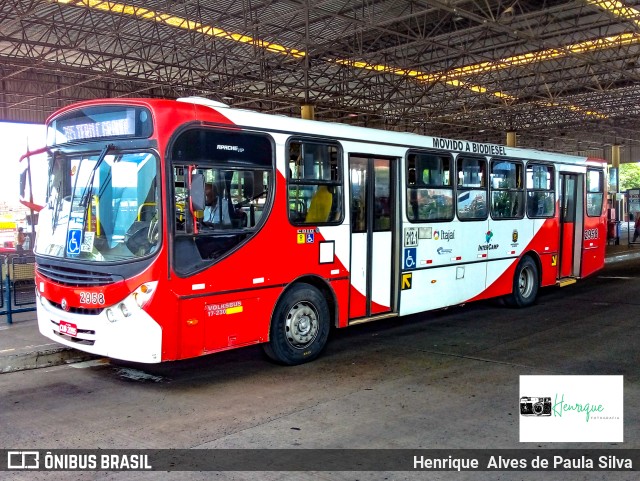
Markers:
point(307, 111)
point(511, 139)
point(615, 166)
point(615, 160)
point(615, 215)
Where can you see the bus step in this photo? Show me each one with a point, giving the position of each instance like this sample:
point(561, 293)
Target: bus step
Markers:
point(565, 281)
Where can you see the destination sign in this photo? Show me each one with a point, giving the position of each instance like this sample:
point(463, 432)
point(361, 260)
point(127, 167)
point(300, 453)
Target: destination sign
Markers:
point(105, 128)
point(471, 147)
point(100, 123)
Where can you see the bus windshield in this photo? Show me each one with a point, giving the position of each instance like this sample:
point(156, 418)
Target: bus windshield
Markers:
point(102, 207)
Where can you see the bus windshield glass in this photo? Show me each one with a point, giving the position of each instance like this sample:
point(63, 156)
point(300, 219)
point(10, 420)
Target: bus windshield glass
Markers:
point(102, 207)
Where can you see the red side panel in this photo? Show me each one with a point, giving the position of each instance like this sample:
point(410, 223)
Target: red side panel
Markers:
point(545, 244)
point(566, 254)
point(357, 303)
point(594, 244)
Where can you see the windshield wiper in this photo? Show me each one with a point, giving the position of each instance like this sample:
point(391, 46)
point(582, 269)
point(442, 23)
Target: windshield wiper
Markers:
point(86, 195)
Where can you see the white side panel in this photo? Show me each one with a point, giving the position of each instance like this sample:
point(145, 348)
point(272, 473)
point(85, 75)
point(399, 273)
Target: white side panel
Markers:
point(508, 238)
point(381, 268)
point(496, 268)
point(446, 243)
point(340, 235)
point(359, 262)
point(439, 287)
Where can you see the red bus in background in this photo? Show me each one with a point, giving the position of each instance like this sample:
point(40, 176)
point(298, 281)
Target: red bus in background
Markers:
point(173, 229)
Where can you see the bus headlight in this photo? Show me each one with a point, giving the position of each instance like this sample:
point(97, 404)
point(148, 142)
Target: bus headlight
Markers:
point(124, 310)
point(111, 316)
point(136, 300)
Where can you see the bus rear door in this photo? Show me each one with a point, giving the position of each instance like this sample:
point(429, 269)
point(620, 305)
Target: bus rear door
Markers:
point(373, 218)
point(571, 224)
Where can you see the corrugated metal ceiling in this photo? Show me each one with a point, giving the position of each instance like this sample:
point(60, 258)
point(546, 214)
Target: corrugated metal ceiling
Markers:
point(564, 74)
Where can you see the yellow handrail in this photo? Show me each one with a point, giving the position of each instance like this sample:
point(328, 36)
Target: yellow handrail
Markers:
point(94, 200)
point(142, 206)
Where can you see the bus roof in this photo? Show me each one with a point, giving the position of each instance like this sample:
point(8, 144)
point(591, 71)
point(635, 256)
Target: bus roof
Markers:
point(344, 132)
point(249, 118)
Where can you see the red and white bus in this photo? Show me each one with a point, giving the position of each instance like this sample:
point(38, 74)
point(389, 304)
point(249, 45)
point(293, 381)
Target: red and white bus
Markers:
point(314, 225)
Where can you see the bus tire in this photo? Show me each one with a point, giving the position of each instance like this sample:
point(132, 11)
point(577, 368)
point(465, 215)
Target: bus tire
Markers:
point(299, 327)
point(525, 284)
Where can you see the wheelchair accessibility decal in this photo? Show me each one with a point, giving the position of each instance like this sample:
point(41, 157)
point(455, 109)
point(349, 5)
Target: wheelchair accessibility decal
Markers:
point(306, 236)
point(409, 258)
point(74, 242)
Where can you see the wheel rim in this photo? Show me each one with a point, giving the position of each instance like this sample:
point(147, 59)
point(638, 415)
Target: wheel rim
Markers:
point(302, 325)
point(525, 282)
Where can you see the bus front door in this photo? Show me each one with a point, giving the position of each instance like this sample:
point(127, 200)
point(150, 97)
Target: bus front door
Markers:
point(373, 217)
point(571, 219)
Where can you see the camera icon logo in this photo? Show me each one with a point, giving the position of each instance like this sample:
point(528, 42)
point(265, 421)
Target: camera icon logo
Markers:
point(535, 406)
point(23, 460)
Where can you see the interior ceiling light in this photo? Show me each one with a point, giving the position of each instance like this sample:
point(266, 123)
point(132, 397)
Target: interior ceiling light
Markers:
point(479, 89)
point(180, 22)
point(535, 57)
point(451, 77)
point(619, 9)
point(574, 108)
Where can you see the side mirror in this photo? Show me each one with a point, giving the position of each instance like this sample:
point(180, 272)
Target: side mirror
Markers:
point(23, 184)
point(196, 192)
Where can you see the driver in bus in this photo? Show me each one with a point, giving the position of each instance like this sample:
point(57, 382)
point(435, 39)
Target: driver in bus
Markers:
point(216, 209)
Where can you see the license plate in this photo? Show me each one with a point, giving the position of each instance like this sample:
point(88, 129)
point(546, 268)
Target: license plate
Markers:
point(68, 328)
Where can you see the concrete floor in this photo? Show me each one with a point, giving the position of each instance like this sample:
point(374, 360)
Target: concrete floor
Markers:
point(446, 379)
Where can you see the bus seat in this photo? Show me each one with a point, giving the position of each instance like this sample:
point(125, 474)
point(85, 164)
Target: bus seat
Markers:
point(320, 205)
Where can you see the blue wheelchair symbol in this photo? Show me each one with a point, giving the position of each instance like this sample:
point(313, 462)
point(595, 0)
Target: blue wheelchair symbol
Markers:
point(410, 258)
point(74, 239)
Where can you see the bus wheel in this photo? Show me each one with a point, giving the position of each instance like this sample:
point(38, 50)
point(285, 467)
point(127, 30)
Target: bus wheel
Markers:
point(299, 327)
point(525, 284)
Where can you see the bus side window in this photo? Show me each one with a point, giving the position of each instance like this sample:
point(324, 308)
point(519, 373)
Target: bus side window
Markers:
point(237, 183)
point(540, 191)
point(429, 187)
point(472, 188)
point(595, 192)
point(507, 189)
point(314, 182)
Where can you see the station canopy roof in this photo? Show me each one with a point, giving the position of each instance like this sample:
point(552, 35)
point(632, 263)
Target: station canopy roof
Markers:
point(564, 75)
